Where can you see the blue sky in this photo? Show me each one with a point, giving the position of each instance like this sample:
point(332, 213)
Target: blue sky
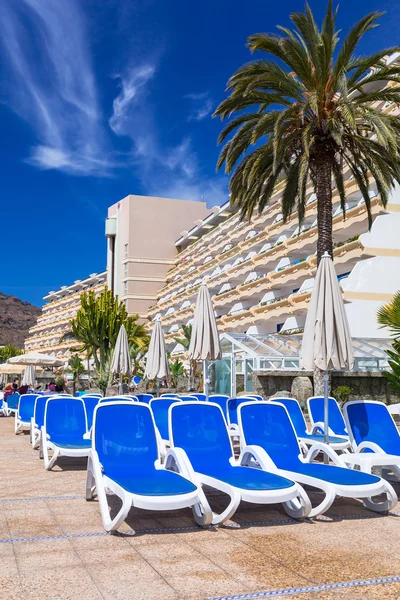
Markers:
point(103, 98)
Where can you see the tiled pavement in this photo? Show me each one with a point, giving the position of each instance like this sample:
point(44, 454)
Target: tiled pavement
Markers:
point(169, 557)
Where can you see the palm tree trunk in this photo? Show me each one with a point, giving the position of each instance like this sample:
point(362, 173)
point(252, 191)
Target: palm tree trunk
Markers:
point(323, 182)
point(323, 178)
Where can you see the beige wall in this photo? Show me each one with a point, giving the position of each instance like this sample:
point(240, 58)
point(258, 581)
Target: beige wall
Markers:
point(149, 226)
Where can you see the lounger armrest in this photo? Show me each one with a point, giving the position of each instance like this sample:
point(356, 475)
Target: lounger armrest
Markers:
point(321, 447)
point(177, 460)
point(370, 446)
point(321, 427)
point(87, 435)
point(260, 455)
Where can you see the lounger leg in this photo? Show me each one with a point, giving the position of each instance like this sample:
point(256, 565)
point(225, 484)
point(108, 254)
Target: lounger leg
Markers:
point(49, 462)
point(230, 509)
point(327, 502)
point(299, 507)
point(90, 480)
point(386, 505)
point(17, 425)
point(202, 512)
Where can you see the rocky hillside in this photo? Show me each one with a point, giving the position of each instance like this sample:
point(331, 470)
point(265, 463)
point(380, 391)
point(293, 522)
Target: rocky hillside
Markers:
point(15, 319)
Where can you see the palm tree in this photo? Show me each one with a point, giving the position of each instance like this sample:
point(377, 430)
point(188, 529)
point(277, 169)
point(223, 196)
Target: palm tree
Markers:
point(389, 316)
point(306, 114)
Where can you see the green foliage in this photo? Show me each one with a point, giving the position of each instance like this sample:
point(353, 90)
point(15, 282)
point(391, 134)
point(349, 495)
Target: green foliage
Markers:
point(97, 324)
point(394, 362)
point(75, 366)
point(187, 334)
point(305, 113)
point(176, 369)
point(389, 315)
point(8, 352)
point(342, 393)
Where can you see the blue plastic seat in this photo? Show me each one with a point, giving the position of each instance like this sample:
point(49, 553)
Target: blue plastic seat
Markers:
point(118, 399)
point(12, 403)
point(25, 412)
point(160, 408)
point(126, 460)
point(232, 406)
point(90, 401)
point(370, 422)
point(336, 421)
point(38, 419)
point(300, 426)
point(199, 430)
point(144, 397)
point(199, 396)
point(267, 425)
point(188, 398)
point(255, 397)
point(221, 400)
point(65, 430)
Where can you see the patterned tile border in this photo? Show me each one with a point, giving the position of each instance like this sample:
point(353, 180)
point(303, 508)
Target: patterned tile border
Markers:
point(310, 589)
point(38, 498)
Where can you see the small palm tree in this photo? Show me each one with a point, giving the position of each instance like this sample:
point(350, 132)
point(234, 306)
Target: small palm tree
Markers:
point(306, 114)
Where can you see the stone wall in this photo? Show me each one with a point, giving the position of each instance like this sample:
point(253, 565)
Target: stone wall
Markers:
point(365, 385)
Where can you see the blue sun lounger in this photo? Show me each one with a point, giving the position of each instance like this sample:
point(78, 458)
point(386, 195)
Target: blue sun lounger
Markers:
point(232, 406)
point(221, 400)
point(90, 401)
point(199, 396)
point(300, 426)
point(38, 419)
point(119, 399)
point(336, 423)
point(201, 450)
point(270, 440)
point(125, 459)
point(144, 397)
point(160, 408)
point(374, 436)
point(26, 407)
point(64, 430)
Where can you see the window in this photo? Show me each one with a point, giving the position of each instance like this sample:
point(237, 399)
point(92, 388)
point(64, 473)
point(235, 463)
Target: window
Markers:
point(126, 269)
point(126, 250)
point(279, 327)
point(125, 287)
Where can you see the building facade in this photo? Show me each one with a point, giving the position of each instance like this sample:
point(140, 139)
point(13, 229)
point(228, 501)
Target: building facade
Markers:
point(55, 321)
point(260, 273)
point(141, 232)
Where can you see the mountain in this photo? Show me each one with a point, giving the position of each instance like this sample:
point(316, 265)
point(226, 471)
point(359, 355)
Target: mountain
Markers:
point(16, 317)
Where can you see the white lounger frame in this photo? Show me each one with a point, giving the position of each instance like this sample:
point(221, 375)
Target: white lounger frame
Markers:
point(46, 444)
point(295, 500)
point(98, 483)
point(367, 461)
point(256, 454)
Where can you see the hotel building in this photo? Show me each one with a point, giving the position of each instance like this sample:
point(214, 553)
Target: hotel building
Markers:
point(141, 232)
point(55, 321)
point(260, 273)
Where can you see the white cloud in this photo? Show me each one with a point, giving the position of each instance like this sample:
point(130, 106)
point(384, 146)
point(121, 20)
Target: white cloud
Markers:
point(202, 106)
point(51, 84)
point(164, 171)
point(132, 86)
